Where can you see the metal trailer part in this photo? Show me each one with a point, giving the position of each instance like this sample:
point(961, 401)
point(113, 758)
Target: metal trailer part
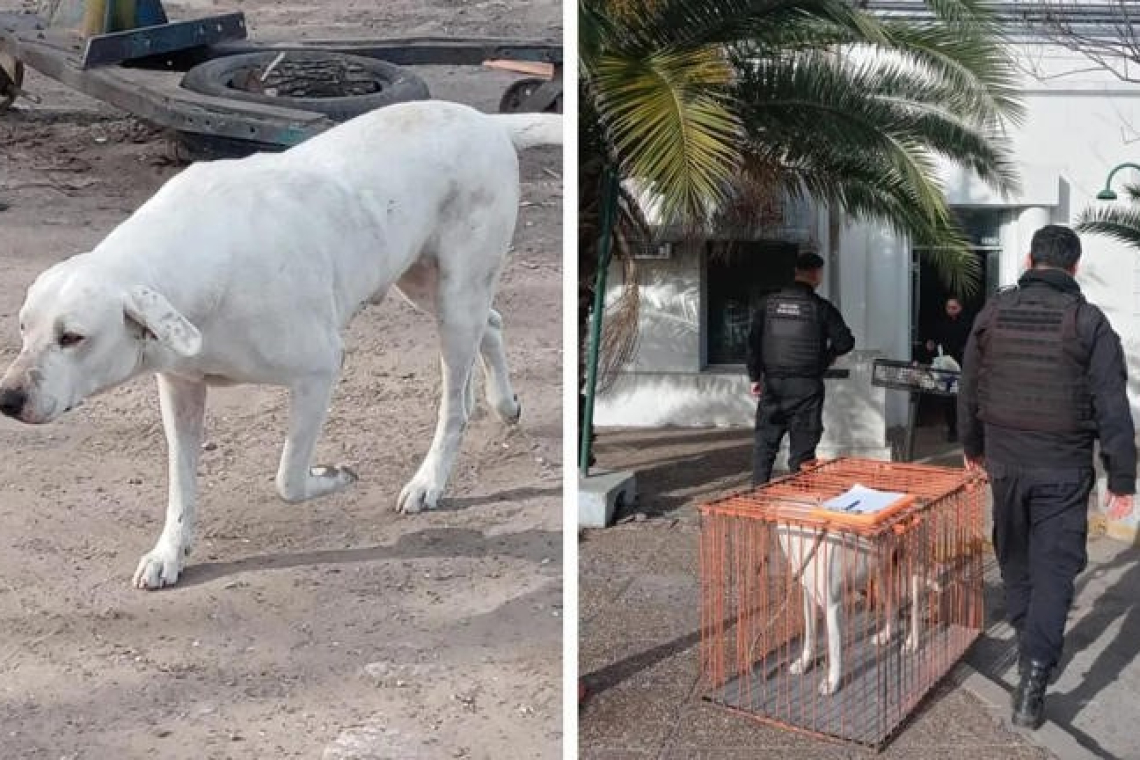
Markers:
point(139, 70)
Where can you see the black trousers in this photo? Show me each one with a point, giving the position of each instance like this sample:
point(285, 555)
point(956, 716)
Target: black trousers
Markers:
point(1040, 530)
point(792, 405)
point(950, 410)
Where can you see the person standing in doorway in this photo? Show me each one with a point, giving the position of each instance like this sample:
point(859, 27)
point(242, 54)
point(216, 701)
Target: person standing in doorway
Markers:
point(1044, 377)
point(950, 333)
point(794, 337)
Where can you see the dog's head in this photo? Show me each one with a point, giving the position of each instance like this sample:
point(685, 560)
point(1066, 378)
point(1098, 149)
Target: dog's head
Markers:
point(83, 334)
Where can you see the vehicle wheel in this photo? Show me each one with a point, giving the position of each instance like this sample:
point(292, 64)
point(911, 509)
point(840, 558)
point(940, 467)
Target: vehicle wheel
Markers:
point(339, 86)
point(11, 78)
point(518, 92)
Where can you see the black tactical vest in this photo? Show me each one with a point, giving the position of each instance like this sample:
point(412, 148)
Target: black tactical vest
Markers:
point(1032, 375)
point(794, 344)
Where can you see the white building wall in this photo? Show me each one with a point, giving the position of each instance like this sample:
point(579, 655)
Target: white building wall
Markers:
point(1079, 124)
point(672, 305)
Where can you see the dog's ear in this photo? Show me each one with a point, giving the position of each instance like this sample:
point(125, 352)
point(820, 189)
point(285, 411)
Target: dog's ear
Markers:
point(155, 314)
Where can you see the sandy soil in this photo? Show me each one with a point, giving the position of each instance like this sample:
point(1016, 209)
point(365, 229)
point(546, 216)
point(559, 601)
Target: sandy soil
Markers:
point(335, 628)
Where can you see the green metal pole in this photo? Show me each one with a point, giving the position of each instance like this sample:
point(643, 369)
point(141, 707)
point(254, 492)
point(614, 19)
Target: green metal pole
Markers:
point(605, 249)
point(1107, 194)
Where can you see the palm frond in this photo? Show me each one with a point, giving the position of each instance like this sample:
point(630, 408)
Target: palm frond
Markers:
point(766, 23)
point(669, 123)
point(1119, 223)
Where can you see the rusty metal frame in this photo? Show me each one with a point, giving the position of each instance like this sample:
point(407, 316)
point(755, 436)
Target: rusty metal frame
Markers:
point(171, 37)
point(752, 618)
point(149, 88)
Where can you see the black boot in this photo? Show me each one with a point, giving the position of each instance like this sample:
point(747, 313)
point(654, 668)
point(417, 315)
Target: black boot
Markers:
point(1029, 697)
point(1022, 660)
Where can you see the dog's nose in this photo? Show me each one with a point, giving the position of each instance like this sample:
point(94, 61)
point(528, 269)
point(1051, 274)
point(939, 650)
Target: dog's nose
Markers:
point(12, 401)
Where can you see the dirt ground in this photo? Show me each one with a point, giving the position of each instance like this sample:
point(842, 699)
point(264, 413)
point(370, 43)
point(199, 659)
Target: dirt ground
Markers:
point(335, 628)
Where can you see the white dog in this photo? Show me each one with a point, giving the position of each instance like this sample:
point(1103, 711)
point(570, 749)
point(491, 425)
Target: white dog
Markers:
point(837, 565)
point(248, 271)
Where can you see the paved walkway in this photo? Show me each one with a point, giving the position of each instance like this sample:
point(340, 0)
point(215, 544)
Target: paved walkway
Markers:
point(639, 632)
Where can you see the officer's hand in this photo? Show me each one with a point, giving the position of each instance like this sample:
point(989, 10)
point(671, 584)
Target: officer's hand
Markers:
point(756, 389)
point(973, 464)
point(1119, 505)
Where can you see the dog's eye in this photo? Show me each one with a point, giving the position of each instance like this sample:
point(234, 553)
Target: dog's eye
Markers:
point(70, 339)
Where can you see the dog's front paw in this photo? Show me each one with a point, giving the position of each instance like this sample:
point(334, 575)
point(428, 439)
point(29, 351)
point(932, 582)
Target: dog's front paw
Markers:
point(159, 567)
point(829, 685)
point(910, 645)
point(319, 481)
point(418, 496)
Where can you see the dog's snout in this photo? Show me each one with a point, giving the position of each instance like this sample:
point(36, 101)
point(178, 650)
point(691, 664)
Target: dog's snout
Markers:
point(12, 401)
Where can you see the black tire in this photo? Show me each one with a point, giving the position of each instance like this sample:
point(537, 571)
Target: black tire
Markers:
point(393, 84)
point(519, 91)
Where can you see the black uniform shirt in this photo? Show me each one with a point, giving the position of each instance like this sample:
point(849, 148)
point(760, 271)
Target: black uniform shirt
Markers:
point(1108, 381)
point(839, 338)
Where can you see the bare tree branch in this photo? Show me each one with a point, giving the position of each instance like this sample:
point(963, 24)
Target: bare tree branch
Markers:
point(1107, 34)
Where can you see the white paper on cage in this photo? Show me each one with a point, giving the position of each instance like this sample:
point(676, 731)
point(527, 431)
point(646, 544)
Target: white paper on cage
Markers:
point(862, 500)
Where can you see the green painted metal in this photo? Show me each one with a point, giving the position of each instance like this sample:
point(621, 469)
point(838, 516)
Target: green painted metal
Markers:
point(605, 250)
point(1107, 193)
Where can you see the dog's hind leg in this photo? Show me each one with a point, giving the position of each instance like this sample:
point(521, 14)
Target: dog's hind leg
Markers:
point(500, 396)
point(297, 479)
point(469, 256)
point(803, 663)
point(183, 404)
point(887, 598)
point(910, 644)
point(833, 614)
point(419, 285)
point(462, 319)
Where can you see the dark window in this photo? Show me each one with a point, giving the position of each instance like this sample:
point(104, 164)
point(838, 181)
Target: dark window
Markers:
point(981, 225)
point(739, 274)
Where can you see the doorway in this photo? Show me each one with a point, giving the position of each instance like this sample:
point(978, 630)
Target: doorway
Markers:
point(929, 296)
point(929, 293)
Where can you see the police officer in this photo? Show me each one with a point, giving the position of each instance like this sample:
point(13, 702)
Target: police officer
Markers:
point(795, 336)
point(1044, 377)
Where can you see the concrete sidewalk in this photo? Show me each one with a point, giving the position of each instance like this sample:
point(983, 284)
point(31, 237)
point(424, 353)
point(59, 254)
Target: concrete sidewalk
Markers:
point(1096, 695)
point(638, 597)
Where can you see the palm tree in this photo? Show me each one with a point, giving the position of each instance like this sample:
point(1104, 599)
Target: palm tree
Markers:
point(1121, 223)
point(712, 103)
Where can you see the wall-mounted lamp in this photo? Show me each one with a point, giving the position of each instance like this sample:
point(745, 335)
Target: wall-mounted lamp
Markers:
point(1107, 193)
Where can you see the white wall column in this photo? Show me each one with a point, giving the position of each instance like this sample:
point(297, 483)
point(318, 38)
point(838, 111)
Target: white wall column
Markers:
point(1031, 219)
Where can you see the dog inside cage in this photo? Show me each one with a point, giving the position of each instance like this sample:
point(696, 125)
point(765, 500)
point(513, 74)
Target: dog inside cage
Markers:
point(839, 624)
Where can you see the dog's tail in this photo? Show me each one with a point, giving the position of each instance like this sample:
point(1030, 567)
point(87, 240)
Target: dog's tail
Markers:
point(528, 130)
